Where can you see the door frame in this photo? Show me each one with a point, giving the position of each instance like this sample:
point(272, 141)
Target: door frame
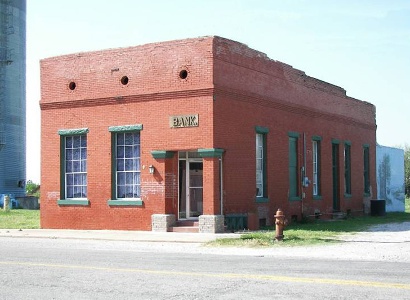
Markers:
point(188, 160)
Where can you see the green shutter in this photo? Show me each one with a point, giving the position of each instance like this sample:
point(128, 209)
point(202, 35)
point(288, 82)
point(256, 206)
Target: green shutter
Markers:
point(293, 169)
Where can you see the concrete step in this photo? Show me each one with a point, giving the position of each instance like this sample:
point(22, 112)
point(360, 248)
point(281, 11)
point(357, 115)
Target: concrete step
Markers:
point(185, 226)
point(186, 223)
point(192, 229)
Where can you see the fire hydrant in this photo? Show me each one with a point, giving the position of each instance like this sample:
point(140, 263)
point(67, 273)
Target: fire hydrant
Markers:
point(280, 223)
point(6, 203)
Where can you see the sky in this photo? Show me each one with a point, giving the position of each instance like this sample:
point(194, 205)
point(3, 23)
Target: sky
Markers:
point(361, 46)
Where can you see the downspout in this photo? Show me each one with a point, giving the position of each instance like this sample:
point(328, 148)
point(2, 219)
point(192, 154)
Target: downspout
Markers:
point(221, 184)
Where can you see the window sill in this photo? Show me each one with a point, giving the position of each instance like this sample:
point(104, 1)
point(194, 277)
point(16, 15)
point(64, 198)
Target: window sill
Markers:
point(366, 195)
point(261, 200)
point(317, 197)
point(64, 202)
point(125, 202)
point(348, 195)
point(297, 198)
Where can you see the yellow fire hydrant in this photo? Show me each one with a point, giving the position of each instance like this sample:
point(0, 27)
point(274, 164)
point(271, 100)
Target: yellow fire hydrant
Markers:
point(6, 204)
point(280, 223)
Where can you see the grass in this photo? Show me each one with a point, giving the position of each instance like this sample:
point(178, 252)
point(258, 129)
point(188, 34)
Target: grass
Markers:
point(314, 232)
point(19, 219)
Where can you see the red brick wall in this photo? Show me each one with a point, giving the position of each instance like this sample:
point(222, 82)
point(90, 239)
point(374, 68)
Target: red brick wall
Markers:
point(252, 90)
point(233, 89)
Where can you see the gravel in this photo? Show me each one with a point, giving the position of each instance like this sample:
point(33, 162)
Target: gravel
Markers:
point(389, 242)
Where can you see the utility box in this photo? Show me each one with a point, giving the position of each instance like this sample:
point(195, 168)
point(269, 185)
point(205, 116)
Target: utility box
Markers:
point(377, 208)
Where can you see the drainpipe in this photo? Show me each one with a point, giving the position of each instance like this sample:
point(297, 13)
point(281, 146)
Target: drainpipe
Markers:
point(221, 184)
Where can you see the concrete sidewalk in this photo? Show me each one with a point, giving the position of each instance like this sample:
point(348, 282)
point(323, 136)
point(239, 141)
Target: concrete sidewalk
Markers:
point(117, 235)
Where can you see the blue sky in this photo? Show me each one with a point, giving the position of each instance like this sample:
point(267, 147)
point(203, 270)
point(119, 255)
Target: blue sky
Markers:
point(362, 46)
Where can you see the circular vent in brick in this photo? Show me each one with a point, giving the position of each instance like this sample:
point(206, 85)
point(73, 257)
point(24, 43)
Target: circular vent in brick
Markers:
point(72, 85)
point(124, 80)
point(183, 74)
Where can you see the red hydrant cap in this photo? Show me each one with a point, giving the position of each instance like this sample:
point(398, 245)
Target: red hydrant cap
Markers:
point(279, 213)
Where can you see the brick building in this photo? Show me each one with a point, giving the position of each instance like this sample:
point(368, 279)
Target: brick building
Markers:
point(200, 129)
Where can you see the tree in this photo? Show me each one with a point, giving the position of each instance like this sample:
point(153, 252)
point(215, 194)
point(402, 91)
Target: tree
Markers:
point(407, 169)
point(32, 189)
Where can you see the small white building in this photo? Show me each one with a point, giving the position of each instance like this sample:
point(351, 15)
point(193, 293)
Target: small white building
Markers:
point(390, 177)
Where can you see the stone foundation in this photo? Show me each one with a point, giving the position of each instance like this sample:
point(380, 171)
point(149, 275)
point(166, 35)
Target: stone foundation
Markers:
point(162, 222)
point(211, 224)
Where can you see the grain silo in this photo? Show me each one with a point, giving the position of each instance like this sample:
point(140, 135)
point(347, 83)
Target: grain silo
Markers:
point(12, 97)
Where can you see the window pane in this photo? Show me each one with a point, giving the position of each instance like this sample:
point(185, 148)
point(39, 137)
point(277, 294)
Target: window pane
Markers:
point(120, 152)
point(128, 164)
point(69, 179)
point(259, 190)
point(76, 142)
point(76, 154)
point(70, 192)
point(136, 164)
point(129, 178)
point(128, 152)
point(136, 151)
point(76, 166)
point(120, 191)
point(129, 139)
point(69, 142)
point(137, 178)
point(84, 141)
point(120, 139)
point(68, 166)
point(120, 165)
point(68, 154)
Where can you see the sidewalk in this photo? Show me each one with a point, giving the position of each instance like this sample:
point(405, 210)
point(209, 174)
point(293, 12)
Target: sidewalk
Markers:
point(117, 235)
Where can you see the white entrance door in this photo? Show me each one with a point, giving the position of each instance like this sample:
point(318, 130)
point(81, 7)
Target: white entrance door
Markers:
point(190, 185)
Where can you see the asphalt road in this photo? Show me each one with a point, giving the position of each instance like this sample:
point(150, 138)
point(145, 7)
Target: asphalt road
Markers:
point(38, 268)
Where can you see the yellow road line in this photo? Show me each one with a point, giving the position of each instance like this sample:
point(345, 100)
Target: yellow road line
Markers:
point(316, 280)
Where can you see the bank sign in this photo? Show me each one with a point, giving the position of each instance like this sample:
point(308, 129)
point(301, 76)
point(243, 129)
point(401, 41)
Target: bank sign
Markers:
point(183, 121)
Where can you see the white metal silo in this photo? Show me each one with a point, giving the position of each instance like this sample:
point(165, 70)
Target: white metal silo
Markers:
point(12, 97)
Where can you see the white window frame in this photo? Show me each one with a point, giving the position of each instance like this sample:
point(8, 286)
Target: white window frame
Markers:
point(259, 165)
point(315, 168)
point(75, 161)
point(128, 160)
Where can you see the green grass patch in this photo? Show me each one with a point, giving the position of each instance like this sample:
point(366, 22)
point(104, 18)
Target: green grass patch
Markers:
point(19, 219)
point(311, 233)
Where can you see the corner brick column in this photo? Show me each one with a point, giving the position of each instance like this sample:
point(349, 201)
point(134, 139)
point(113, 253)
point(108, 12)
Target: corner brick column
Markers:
point(211, 193)
point(162, 222)
point(211, 224)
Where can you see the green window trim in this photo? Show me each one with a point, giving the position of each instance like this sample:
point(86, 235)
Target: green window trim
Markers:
point(347, 195)
point(261, 199)
point(316, 138)
point(125, 128)
point(335, 141)
point(261, 129)
point(317, 197)
point(125, 202)
point(78, 131)
point(294, 134)
point(295, 198)
point(348, 169)
point(210, 152)
point(366, 170)
point(63, 133)
point(162, 154)
point(68, 202)
point(293, 165)
point(349, 143)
